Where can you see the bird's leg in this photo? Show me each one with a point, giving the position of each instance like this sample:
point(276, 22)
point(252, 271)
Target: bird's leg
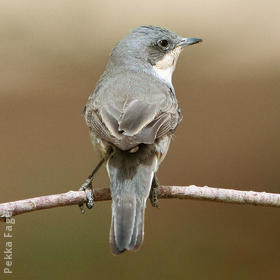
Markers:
point(154, 192)
point(87, 188)
point(87, 185)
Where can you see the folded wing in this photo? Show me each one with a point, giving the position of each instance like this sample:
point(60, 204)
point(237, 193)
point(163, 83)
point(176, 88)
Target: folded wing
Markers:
point(127, 116)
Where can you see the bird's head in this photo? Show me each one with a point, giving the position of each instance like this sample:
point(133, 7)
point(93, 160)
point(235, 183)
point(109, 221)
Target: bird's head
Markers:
point(153, 45)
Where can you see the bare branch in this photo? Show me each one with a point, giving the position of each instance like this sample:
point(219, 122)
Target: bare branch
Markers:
point(14, 208)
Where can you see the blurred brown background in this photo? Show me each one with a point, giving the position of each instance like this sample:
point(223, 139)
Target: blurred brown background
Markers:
point(52, 53)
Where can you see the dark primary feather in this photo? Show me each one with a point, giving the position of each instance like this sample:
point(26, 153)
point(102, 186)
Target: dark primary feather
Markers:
point(136, 115)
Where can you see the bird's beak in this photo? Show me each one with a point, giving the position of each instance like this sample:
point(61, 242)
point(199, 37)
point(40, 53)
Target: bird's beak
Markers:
point(189, 41)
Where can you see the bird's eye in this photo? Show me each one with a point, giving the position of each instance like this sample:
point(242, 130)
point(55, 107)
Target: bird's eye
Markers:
point(163, 44)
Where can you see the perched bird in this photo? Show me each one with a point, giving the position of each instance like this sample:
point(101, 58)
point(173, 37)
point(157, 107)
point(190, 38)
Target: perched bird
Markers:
point(132, 115)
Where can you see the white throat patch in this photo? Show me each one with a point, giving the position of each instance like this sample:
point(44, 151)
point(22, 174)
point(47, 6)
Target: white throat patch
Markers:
point(165, 67)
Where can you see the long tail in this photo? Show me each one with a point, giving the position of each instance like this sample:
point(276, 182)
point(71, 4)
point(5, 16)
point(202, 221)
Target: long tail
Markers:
point(131, 176)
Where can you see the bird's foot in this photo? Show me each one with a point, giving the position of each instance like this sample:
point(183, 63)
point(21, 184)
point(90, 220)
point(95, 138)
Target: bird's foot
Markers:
point(154, 193)
point(87, 188)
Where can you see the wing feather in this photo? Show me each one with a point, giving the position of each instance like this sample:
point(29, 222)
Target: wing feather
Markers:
point(136, 116)
point(127, 115)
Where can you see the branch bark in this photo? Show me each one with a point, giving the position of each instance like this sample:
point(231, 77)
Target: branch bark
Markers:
point(14, 208)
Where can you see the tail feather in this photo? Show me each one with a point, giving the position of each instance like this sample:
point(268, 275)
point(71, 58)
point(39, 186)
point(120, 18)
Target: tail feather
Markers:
point(124, 213)
point(131, 177)
point(138, 231)
point(127, 228)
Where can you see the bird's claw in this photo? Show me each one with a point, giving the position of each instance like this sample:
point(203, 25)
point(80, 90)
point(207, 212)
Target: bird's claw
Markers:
point(154, 192)
point(154, 196)
point(87, 188)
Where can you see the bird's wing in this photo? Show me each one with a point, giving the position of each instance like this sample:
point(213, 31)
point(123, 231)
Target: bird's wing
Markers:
point(133, 117)
point(136, 118)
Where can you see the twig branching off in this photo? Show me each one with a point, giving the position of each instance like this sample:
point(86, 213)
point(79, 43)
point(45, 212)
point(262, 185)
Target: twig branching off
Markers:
point(14, 208)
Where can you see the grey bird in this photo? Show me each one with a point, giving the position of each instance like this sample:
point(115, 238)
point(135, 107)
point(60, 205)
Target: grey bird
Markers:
point(132, 115)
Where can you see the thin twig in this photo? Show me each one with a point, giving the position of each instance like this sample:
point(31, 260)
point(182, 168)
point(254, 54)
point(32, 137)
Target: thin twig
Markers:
point(14, 208)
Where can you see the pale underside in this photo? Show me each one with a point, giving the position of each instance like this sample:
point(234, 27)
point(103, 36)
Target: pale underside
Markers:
point(165, 67)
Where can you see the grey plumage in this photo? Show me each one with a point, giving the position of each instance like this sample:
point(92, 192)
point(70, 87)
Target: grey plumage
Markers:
point(134, 111)
point(130, 186)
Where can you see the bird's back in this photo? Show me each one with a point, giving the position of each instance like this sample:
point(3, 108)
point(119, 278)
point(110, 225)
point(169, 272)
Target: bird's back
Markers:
point(130, 108)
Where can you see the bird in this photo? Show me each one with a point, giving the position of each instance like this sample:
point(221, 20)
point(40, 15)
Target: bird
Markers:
point(132, 115)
